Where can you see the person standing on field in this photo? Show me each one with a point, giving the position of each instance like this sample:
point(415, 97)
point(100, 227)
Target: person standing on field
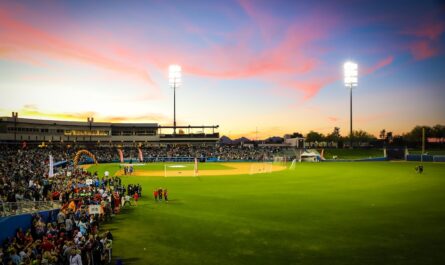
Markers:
point(165, 195)
point(160, 194)
point(155, 194)
point(135, 198)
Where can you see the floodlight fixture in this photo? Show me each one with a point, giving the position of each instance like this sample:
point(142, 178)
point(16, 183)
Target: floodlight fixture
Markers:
point(350, 74)
point(174, 75)
point(174, 80)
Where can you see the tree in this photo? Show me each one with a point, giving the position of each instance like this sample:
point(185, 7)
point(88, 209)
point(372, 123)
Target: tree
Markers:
point(383, 134)
point(334, 136)
point(314, 137)
point(415, 135)
point(361, 136)
point(438, 131)
point(296, 134)
point(389, 137)
point(398, 140)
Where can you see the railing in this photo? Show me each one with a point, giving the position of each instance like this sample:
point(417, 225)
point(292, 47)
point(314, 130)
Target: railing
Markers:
point(16, 208)
point(195, 135)
point(169, 159)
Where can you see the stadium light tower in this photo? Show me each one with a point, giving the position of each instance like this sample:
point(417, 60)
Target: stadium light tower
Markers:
point(174, 79)
point(351, 81)
point(15, 116)
point(90, 121)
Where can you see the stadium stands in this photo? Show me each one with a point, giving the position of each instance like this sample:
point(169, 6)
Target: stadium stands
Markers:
point(26, 187)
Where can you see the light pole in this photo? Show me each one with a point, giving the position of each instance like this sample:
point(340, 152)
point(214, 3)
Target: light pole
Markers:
point(15, 115)
point(90, 121)
point(174, 79)
point(351, 80)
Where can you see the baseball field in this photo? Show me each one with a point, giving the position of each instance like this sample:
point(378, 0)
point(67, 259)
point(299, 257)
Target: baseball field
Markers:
point(318, 213)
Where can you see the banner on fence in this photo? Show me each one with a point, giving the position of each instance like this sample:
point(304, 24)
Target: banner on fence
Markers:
point(94, 209)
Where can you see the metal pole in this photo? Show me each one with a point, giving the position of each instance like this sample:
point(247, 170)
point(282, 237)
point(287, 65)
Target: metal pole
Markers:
point(15, 129)
point(90, 121)
point(350, 125)
point(15, 115)
point(423, 144)
point(174, 107)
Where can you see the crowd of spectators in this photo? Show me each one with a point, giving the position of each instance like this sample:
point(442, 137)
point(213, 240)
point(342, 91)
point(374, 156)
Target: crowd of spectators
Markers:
point(151, 153)
point(241, 152)
point(71, 237)
point(221, 153)
point(22, 173)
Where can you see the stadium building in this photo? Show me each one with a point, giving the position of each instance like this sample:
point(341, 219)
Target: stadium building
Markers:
point(34, 130)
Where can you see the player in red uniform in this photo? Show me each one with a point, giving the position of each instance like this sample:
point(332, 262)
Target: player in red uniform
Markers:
point(135, 198)
point(155, 194)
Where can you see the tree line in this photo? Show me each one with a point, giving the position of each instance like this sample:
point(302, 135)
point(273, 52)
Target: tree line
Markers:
point(359, 137)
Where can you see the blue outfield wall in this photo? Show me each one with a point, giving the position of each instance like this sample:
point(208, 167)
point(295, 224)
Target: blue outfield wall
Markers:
point(425, 158)
point(10, 224)
point(439, 158)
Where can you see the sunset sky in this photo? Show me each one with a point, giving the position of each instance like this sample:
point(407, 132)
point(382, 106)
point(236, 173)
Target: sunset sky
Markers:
point(275, 66)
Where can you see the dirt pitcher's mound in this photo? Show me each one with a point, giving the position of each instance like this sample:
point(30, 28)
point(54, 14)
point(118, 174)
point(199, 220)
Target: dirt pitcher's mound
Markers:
point(235, 169)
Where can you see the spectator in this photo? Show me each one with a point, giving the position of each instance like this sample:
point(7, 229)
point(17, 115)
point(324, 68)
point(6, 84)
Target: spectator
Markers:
point(75, 258)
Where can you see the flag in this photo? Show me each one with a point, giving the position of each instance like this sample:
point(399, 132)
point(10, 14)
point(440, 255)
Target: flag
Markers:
point(121, 155)
point(51, 166)
point(141, 157)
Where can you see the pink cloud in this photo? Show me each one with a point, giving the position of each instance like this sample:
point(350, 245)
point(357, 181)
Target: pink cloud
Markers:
point(292, 52)
point(423, 49)
point(431, 30)
point(380, 64)
point(266, 23)
point(427, 40)
point(288, 56)
point(333, 119)
point(308, 88)
point(239, 60)
point(22, 37)
point(242, 54)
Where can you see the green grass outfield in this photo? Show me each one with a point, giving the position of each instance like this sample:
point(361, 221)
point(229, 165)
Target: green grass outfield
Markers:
point(430, 152)
point(352, 153)
point(112, 168)
point(320, 213)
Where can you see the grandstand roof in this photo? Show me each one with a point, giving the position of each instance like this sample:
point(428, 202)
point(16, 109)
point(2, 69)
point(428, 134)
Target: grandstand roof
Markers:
point(76, 123)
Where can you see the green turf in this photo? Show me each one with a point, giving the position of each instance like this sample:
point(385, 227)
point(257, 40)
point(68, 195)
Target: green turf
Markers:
point(321, 213)
point(352, 153)
point(112, 168)
point(430, 152)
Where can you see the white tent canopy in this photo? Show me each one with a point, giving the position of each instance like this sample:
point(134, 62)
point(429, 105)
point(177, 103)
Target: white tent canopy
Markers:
point(311, 155)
